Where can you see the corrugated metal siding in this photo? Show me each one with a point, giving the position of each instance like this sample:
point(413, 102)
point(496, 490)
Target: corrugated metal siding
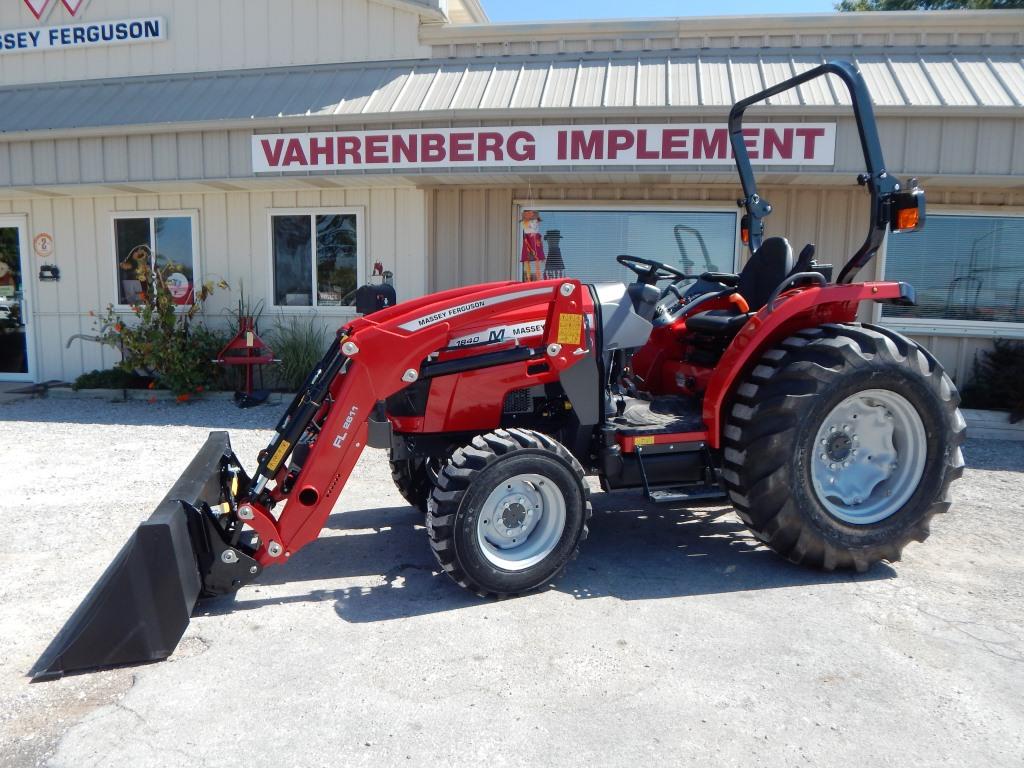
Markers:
point(559, 85)
point(391, 89)
point(205, 36)
point(471, 89)
point(775, 71)
point(1010, 74)
point(233, 244)
point(683, 87)
point(590, 79)
point(470, 237)
point(984, 82)
point(498, 93)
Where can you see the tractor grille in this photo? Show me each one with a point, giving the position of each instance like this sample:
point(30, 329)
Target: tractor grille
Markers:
point(518, 401)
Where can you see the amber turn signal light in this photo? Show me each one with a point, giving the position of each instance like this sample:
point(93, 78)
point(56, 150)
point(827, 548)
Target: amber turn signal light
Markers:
point(908, 210)
point(906, 218)
point(745, 229)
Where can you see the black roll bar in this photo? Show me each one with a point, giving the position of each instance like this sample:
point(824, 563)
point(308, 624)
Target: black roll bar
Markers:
point(879, 182)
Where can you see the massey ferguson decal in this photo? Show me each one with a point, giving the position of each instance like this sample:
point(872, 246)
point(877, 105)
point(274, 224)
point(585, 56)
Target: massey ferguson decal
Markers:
point(550, 145)
point(500, 333)
point(445, 314)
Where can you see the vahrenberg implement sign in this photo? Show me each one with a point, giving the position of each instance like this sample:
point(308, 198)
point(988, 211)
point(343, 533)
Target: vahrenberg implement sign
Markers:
point(82, 35)
point(548, 145)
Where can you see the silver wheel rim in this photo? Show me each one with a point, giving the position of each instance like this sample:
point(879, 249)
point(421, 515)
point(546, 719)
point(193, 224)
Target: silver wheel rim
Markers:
point(521, 522)
point(869, 456)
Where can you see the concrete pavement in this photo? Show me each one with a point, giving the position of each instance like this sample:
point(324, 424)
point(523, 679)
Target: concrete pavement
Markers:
point(673, 639)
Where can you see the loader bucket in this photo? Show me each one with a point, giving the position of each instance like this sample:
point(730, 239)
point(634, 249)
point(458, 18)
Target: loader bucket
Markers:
point(140, 607)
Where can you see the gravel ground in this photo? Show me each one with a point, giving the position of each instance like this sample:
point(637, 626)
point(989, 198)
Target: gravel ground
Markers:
point(674, 638)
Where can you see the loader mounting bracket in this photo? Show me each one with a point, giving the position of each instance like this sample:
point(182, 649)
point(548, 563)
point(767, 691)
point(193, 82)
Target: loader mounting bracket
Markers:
point(223, 568)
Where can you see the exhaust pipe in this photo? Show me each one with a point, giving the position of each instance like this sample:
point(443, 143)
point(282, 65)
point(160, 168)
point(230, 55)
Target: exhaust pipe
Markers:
point(140, 607)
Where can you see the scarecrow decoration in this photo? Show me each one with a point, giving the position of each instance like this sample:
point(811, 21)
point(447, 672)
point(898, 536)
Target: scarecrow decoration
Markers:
point(533, 247)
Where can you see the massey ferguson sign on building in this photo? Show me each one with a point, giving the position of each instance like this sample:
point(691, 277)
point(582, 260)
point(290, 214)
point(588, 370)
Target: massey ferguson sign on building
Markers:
point(78, 35)
point(547, 145)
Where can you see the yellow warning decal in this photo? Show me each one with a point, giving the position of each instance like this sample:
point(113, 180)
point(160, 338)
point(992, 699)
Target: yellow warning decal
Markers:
point(569, 329)
point(643, 441)
point(282, 449)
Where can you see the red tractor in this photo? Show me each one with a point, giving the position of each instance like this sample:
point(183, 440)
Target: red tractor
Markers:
point(836, 441)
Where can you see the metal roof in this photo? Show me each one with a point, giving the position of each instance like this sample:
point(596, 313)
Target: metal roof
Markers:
point(418, 89)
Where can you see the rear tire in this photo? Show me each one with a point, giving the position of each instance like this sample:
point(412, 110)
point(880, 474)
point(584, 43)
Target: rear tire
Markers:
point(508, 512)
point(796, 466)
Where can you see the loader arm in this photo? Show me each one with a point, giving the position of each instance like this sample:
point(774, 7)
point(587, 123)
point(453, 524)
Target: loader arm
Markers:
point(373, 358)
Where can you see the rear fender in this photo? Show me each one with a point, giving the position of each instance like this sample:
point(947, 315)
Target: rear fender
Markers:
point(792, 311)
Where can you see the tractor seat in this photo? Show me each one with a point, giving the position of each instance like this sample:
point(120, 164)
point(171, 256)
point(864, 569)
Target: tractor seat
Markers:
point(770, 265)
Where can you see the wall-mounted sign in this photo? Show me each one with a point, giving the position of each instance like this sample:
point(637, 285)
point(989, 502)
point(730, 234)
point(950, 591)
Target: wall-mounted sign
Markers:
point(547, 145)
point(43, 245)
point(83, 35)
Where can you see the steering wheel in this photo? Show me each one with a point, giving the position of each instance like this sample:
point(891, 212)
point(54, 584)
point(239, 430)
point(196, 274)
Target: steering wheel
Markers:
point(655, 270)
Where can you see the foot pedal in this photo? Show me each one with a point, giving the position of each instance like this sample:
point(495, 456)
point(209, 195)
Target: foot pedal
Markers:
point(683, 493)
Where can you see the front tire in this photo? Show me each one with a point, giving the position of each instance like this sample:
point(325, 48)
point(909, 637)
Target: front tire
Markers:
point(508, 512)
point(842, 444)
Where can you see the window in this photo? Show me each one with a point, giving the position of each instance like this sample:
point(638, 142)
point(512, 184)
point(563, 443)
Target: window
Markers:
point(164, 243)
point(963, 267)
point(583, 242)
point(317, 259)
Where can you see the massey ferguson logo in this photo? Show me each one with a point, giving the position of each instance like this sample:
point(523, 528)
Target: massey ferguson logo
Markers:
point(41, 8)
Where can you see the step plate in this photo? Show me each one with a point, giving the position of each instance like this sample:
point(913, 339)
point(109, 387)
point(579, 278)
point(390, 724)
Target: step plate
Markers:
point(683, 494)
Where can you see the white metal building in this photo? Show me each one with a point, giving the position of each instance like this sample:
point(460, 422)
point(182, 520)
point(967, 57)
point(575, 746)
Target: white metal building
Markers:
point(287, 146)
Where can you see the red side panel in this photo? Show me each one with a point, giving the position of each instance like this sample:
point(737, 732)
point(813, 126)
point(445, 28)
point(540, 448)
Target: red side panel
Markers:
point(473, 401)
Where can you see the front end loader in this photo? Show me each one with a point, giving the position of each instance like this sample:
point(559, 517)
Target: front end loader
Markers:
point(835, 441)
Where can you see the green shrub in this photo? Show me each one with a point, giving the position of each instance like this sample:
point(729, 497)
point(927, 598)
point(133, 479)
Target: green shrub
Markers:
point(163, 342)
point(113, 378)
point(299, 343)
point(996, 382)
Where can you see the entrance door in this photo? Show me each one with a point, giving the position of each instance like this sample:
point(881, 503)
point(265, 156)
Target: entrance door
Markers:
point(15, 350)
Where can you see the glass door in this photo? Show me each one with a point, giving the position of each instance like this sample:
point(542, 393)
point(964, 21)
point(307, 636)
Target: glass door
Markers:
point(15, 350)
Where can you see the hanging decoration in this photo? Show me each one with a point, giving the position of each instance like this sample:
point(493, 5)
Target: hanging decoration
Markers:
point(532, 255)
